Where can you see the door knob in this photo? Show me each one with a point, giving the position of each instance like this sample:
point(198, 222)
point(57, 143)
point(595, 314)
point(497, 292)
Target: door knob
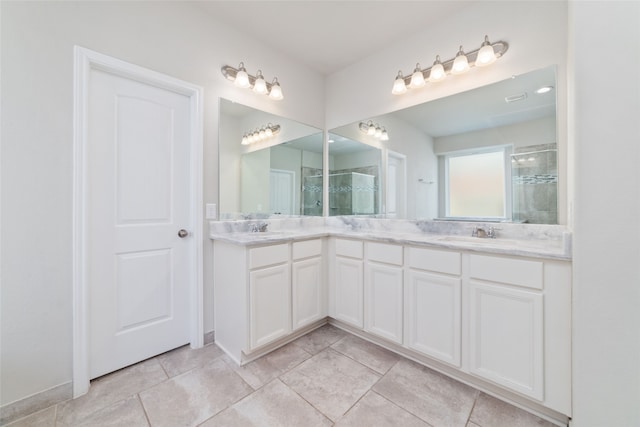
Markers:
point(183, 233)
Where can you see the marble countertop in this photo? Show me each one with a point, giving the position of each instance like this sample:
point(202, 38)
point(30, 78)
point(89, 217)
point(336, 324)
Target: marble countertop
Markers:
point(549, 248)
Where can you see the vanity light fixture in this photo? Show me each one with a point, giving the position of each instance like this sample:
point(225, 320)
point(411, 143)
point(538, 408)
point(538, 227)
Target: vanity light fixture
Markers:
point(375, 130)
point(485, 55)
point(261, 134)
point(460, 63)
point(257, 83)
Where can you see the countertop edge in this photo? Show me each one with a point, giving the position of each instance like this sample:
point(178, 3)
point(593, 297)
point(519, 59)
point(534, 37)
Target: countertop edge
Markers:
point(435, 241)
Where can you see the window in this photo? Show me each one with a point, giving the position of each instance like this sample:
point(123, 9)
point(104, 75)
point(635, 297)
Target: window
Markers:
point(476, 184)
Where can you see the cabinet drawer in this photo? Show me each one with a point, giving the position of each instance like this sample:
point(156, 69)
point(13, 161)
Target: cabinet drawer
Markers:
point(507, 270)
point(382, 252)
point(435, 260)
point(307, 249)
point(268, 255)
point(349, 248)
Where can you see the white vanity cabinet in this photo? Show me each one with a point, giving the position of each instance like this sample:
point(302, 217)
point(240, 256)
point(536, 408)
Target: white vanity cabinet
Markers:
point(307, 283)
point(265, 295)
point(519, 322)
point(348, 281)
point(433, 303)
point(269, 294)
point(383, 291)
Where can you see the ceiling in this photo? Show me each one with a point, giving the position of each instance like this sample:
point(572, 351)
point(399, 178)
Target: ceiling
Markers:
point(328, 36)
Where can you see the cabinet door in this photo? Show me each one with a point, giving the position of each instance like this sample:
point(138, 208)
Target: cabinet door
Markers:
point(348, 291)
point(383, 301)
point(506, 337)
point(307, 292)
point(433, 315)
point(270, 302)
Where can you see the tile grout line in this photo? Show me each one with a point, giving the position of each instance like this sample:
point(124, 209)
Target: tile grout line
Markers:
point(144, 410)
point(401, 408)
point(472, 408)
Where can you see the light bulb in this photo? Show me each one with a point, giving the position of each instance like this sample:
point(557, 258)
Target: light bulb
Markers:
point(245, 139)
point(437, 73)
point(486, 55)
point(268, 131)
point(276, 90)
point(378, 132)
point(399, 87)
point(544, 89)
point(242, 78)
point(250, 138)
point(372, 129)
point(260, 86)
point(460, 64)
point(385, 135)
point(263, 134)
point(417, 78)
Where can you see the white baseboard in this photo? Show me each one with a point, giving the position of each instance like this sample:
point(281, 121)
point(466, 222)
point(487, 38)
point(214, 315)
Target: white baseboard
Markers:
point(34, 403)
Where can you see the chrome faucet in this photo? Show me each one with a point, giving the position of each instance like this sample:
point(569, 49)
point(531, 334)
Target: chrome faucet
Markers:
point(258, 227)
point(483, 233)
point(492, 232)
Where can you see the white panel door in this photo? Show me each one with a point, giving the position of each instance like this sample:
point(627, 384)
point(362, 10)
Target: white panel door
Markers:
point(281, 192)
point(270, 302)
point(383, 296)
point(433, 315)
point(396, 185)
point(306, 286)
point(140, 270)
point(506, 337)
point(349, 291)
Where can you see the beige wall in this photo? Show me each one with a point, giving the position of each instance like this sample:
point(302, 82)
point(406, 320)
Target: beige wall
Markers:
point(174, 38)
point(605, 136)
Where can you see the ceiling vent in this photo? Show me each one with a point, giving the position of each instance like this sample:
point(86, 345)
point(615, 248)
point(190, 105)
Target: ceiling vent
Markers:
point(514, 98)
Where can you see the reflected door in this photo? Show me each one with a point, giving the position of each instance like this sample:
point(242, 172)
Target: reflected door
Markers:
point(396, 185)
point(140, 262)
point(281, 192)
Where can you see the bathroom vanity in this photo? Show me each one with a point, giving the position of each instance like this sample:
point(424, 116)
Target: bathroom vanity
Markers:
point(493, 313)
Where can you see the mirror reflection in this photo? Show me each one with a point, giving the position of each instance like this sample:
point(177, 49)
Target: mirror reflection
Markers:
point(354, 177)
point(263, 175)
point(488, 154)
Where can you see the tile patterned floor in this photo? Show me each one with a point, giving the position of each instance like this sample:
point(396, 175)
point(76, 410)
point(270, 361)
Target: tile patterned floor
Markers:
point(325, 378)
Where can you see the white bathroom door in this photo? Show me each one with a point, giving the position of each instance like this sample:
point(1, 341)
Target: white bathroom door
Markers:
point(396, 185)
point(141, 254)
point(281, 192)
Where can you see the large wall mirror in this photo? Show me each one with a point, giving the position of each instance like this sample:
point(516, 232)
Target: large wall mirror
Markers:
point(487, 154)
point(277, 172)
point(355, 171)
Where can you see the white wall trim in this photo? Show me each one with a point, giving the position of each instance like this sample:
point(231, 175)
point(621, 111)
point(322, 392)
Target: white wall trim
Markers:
point(84, 61)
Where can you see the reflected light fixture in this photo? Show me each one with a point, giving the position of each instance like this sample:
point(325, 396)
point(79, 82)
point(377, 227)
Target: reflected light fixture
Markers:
point(374, 129)
point(485, 55)
point(257, 83)
point(265, 132)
